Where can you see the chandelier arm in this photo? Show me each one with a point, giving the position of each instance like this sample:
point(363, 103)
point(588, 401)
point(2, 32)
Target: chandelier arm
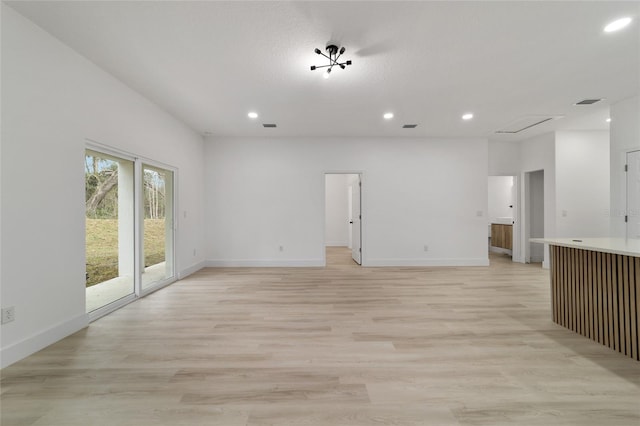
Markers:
point(323, 66)
point(325, 56)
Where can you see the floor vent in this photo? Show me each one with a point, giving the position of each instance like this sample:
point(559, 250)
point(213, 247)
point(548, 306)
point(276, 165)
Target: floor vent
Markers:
point(409, 126)
point(268, 125)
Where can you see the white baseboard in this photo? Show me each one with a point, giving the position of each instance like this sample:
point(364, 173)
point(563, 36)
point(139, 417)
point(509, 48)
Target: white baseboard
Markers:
point(41, 340)
point(264, 263)
point(428, 262)
point(191, 269)
point(545, 264)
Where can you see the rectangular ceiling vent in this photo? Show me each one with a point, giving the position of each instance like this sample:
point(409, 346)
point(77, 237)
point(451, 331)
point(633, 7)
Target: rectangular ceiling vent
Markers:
point(587, 101)
point(526, 122)
point(409, 126)
point(268, 125)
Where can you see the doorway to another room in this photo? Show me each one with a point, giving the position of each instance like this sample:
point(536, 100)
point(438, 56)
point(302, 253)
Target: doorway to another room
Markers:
point(343, 226)
point(503, 221)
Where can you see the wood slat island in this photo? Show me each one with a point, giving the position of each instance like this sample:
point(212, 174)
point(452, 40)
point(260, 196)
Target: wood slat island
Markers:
point(595, 289)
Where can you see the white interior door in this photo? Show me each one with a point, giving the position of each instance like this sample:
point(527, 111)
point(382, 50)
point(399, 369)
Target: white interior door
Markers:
point(356, 243)
point(633, 194)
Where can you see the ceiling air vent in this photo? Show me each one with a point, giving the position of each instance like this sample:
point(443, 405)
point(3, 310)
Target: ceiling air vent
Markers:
point(587, 101)
point(409, 126)
point(268, 125)
point(526, 122)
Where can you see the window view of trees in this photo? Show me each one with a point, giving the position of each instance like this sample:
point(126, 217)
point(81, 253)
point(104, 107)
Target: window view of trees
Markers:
point(101, 204)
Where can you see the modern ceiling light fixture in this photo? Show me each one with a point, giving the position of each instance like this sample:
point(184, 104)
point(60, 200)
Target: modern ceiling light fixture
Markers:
point(252, 114)
point(467, 116)
point(388, 115)
point(333, 56)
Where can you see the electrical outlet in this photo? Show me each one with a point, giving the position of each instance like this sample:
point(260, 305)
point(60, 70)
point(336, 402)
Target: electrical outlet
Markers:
point(281, 248)
point(479, 213)
point(426, 247)
point(8, 314)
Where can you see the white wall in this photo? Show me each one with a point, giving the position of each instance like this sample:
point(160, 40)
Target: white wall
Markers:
point(504, 158)
point(538, 153)
point(625, 136)
point(265, 193)
point(582, 184)
point(53, 100)
point(336, 219)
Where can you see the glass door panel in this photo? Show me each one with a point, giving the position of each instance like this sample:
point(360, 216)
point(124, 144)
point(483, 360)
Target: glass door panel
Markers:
point(157, 212)
point(110, 224)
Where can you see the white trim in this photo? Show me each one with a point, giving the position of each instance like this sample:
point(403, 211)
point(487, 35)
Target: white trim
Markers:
point(110, 307)
point(430, 262)
point(41, 340)
point(158, 285)
point(264, 263)
point(191, 270)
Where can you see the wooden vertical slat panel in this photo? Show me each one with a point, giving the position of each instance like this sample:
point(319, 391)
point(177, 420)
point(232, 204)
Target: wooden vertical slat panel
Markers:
point(636, 287)
point(572, 290)
point(627, 309)
point(614, 297)
point(609, 292)
point(581, 293)
point(588, 265)
point(554, 286)
point(633, 312)
point(565, 287)
point(594, 295)
point(554, 283)
point(597, 295)
point(597, 289)
point(576, 291)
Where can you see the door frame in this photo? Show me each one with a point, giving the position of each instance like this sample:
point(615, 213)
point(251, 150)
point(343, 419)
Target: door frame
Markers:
point(627, 209)
point(324, 212)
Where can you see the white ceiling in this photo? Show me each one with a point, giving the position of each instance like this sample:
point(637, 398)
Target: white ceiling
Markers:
point(209, 63)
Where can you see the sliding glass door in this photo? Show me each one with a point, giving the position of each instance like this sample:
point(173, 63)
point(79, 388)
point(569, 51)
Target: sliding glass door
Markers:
point(110, 229)
point(129, 208)
point(157, 224)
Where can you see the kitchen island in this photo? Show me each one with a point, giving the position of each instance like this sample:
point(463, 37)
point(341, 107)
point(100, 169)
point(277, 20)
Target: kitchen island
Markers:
point(595, 289)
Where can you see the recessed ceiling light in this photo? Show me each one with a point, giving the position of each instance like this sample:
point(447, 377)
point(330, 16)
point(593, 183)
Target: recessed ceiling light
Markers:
point(467, 116)
point(618, 24)
point(388, 115)
point(608, 120)
point(252, 115)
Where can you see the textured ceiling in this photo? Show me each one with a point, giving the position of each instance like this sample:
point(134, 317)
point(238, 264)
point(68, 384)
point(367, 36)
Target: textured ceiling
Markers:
point(209, 63)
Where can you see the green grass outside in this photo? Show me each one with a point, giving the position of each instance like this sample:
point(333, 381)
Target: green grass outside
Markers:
point(102, 247)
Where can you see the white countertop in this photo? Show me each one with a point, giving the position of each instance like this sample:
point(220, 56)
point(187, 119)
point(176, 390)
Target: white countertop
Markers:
point(627, 247)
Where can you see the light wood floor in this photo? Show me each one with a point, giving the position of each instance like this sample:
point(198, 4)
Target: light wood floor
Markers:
point(342, 345)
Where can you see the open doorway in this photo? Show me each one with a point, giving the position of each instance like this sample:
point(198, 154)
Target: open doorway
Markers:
point(534, 216)
point(503, 225)
point(343, 229)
